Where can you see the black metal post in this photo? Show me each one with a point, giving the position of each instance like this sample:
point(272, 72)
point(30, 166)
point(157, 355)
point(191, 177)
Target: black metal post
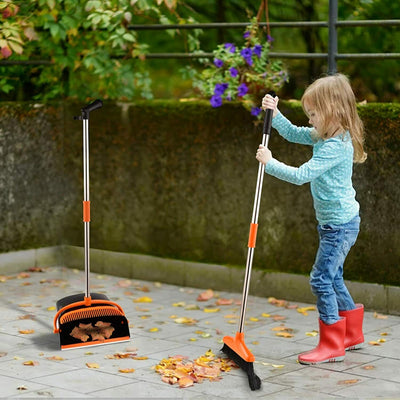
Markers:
point(332, 47)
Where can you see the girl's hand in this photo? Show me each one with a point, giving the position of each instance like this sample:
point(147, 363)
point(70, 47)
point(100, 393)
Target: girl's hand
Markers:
point(263, 154)
point(270, 102)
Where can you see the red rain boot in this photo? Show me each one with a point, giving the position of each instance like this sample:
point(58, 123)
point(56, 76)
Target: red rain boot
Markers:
point(354, 338)
point(331, 344)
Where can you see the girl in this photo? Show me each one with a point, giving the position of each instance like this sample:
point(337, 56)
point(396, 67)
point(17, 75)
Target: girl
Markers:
point(337, 139)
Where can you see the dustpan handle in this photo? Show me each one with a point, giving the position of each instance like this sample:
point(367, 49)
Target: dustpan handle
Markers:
point(86, 200)
point(254, 220)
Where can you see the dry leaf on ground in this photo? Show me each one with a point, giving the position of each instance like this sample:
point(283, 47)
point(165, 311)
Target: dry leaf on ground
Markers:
point(26, 331)
point(93, 365)
point(379, 316)
point(31, 363)
point(144, 299)
point(206, 295)
point(126, 370)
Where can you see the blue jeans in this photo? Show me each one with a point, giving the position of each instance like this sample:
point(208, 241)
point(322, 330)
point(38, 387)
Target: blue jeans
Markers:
point(326, 278)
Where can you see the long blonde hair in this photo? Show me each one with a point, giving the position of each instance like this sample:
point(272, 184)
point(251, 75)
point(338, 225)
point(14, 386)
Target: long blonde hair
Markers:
point(333, 99)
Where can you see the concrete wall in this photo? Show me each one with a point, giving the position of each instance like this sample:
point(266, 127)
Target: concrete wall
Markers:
point(176, 180)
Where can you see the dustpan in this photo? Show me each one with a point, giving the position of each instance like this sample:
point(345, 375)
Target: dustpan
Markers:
point(89, 319)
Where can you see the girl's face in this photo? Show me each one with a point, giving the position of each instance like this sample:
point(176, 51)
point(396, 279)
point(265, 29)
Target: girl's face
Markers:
point(315, 119)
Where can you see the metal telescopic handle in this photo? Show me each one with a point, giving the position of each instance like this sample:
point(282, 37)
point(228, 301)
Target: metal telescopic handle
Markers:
point(86, 200)
point(254, 220)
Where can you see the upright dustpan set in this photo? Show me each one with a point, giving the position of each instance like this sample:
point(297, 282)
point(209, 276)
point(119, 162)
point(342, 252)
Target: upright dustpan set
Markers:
point(89, 319)
point(235, 347)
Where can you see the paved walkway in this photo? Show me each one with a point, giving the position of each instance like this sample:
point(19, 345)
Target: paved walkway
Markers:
point(27, 304)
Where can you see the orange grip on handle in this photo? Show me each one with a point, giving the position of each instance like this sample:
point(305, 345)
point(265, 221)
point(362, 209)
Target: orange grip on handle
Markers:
point(252, 235)
point(86, 211)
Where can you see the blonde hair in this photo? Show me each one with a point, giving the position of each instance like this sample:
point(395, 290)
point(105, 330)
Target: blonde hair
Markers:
point(333, 99)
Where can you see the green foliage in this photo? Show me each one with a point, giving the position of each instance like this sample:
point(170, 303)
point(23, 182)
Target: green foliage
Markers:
point(93, 52)
point(241, 73)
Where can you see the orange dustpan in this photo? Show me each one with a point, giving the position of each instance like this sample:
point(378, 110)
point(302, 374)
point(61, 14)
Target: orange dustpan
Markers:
point(87, 319)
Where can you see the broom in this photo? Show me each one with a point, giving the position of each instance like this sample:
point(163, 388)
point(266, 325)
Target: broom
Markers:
point(235, 347)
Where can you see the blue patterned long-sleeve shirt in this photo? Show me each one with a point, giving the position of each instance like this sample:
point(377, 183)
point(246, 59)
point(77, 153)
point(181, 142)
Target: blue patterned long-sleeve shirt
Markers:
point(329, 171)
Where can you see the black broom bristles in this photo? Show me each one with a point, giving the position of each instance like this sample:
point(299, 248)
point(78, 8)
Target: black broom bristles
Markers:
point(254, 380)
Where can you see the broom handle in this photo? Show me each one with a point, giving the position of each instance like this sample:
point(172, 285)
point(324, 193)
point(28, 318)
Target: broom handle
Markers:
point(254, 220)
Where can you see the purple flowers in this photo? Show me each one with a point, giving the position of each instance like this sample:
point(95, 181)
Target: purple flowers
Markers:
point(257, 50)
point(246, 34)
point(216, 101)
point(218, 63)
point(231, 47)
point(255, 111)
point(242, 89)
point(220, 88)
point(234, 72)
point(246, 53)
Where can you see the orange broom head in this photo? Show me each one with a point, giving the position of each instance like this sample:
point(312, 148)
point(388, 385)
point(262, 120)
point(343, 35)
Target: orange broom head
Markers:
point(237, 345)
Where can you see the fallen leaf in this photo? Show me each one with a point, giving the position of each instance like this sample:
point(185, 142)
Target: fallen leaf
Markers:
point(205, 296)
point(185, 382)
point(93, 365)
point(348, 381)
point(265, 315)
point(284, 334)
point(379, 316)
point(313, 333)
point(26, 331)
point(211, 310)
point(140, 358)
point(384, 334)
point(303, 310)
point(3, 353)
point(120, 355)
point(124, 283)
point(126, 370)
point(31, 363)
point(224, 302)
point(278, 318)
point(52, 308)
point(185, 320)
point(282, 328)
point(143, 299)
point(153, 330)
point(191, 307)
point(179, 304)
point(55, 358)
point(374, 343)
point(368, 367)
point(276, 302)
point(27, 316)
point(253, 319)
point(36, 269)
point(22, 388)
point(382, 340)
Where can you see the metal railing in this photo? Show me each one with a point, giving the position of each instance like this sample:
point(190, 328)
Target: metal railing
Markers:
point(331, 56)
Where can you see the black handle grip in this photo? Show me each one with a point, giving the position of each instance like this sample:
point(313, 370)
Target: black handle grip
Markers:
point(93, 106)
point(268, 117)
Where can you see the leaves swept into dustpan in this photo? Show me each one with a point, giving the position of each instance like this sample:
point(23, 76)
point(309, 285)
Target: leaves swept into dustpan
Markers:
point(100, 331)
